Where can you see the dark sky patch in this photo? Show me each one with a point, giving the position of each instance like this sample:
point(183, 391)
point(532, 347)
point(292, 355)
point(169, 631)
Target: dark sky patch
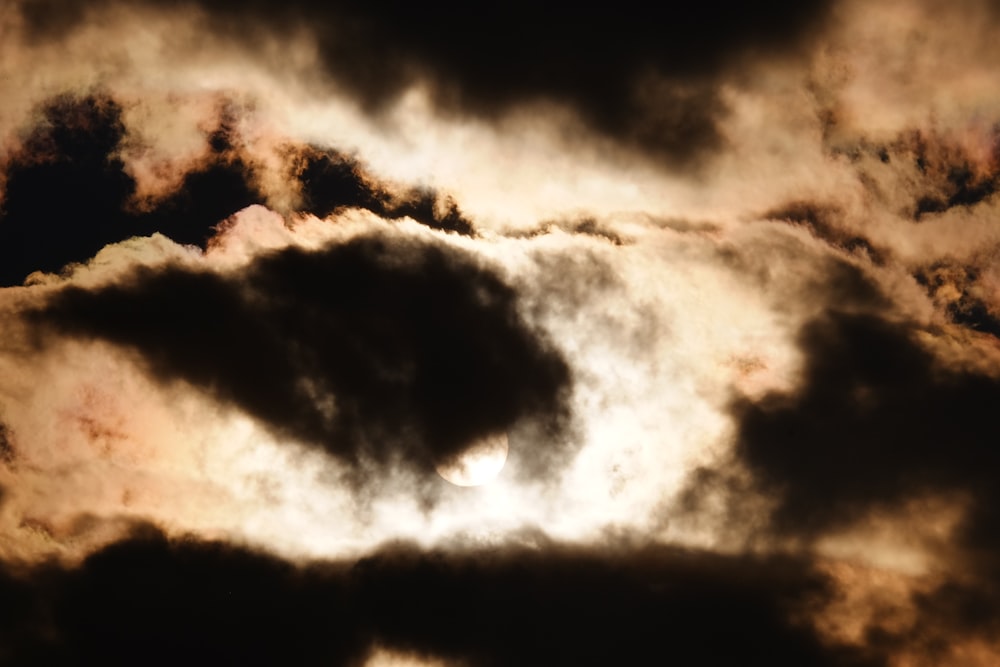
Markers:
point(68, 194)
point(381, 345)
point(604, 62)
point(163, 602)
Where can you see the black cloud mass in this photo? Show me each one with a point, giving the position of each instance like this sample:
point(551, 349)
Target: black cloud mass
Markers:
point(370, 347)
point(848, 441)
point(68, 194)
point(201, 602)
point(485, 60)
point(878, 422)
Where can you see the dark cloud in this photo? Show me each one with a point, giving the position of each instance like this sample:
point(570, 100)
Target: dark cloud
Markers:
point(951, 617)
point(68, 194)
point(878, 421)
point(585, 226)
point(159, 603)
point(824, 222)
point(331, 181)
point(155, 601)
point(64, 191)
point(566, 605)
point(776, 265)
point(961, 187)
point(427, 207)
point(957, 289)
point(7, 450)
point(381, 345)
point(952, 177)
point(645, 78)
point(925, 173)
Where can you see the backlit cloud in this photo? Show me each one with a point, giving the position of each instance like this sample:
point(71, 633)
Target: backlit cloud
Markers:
point(726, 282)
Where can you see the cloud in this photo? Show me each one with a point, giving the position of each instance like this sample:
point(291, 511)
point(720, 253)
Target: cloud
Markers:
point(651, 84)
point(880, 422)
point(331, 181)
point(865, 379)
point(728, 280)
point(163, 600)
point(68, 193)
point(383, 345)
point(78, 150)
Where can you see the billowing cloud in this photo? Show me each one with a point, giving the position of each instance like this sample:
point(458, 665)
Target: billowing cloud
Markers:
point(520, 605)
point(68, 194)
point(724, 284)
point(382, 346)
point(76, 151)
point(650, 83)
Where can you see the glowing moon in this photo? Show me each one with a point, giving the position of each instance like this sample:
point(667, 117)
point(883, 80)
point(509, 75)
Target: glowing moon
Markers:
point(480, 463)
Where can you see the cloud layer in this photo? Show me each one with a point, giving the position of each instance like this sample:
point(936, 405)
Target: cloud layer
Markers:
point(727, 281)
point(618, 70)
point(497, 607)
point(380, 348)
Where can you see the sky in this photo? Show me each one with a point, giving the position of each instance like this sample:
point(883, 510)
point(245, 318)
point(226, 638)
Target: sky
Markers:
point(725, 284)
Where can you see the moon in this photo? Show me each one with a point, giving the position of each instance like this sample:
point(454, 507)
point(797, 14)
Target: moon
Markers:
point(478, 464)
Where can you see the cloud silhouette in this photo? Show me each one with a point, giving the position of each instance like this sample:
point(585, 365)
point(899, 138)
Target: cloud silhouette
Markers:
point(158, 600)
point(383, 344)
point(605, 65)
